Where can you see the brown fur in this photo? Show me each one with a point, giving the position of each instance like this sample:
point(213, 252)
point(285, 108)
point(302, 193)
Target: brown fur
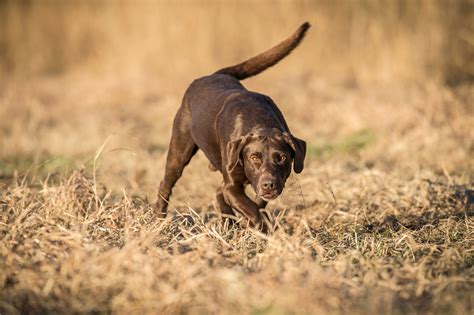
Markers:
point(242, 133)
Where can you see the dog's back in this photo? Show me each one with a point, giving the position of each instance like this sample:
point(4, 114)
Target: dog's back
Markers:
point(206, 95)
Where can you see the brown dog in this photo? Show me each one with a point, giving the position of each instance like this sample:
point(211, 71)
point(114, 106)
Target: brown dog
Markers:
point(242, 133)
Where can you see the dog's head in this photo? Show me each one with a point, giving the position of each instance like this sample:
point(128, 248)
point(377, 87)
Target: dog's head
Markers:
point(267, 158)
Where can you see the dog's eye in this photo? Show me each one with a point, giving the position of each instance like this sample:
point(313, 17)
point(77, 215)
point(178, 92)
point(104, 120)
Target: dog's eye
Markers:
point(254, 158)
point(281, 158)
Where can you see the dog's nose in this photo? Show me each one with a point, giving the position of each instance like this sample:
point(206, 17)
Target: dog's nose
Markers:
point(268, 185)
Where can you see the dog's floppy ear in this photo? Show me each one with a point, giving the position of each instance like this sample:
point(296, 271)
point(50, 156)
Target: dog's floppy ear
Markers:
point(299, 147)
point(234, 148)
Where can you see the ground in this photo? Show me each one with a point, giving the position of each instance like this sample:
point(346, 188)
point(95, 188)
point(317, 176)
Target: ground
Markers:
point(380, 220)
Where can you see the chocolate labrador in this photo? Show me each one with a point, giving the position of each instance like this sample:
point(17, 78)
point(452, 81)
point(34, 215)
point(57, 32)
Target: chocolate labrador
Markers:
point(242, 133)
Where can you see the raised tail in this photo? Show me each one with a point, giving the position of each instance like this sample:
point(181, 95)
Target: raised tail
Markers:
point(266, 59)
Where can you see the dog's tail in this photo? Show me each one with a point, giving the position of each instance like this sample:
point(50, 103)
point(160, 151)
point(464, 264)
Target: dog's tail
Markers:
point(266, 59)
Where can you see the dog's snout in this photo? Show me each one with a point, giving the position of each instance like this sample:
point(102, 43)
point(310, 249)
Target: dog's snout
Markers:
point(269, 188)
point(268, 184)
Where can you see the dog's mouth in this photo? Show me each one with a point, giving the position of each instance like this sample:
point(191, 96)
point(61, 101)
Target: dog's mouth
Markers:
point(268, 196)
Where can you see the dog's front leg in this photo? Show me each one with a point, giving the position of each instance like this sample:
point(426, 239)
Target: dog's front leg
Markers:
point(235, 196)
point(260, 202)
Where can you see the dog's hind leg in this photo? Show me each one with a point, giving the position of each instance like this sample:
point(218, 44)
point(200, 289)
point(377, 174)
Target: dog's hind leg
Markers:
point(182, 148)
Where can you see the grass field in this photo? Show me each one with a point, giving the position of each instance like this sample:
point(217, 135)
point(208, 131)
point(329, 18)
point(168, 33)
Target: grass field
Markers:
point(379, 222)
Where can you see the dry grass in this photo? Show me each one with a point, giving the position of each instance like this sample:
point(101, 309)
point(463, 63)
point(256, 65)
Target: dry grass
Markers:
point(390, 247)
point(380, 221)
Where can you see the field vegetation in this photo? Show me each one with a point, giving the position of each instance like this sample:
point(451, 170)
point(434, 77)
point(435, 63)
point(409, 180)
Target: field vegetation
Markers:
point(379, 222)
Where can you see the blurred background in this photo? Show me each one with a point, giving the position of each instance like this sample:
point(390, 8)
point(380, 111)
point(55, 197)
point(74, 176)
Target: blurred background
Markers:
point(375, 83)
point(350, 40)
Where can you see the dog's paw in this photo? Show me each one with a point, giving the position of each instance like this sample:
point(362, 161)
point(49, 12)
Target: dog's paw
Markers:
point(267, 222)
point(160, 209)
